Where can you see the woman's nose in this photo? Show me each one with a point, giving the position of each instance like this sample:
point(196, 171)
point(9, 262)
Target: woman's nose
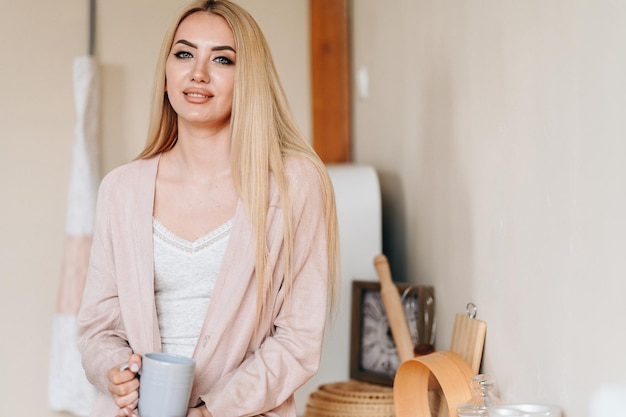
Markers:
point(201, 73)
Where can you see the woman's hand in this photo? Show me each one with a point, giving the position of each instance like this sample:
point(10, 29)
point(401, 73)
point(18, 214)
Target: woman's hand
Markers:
point(124, 385)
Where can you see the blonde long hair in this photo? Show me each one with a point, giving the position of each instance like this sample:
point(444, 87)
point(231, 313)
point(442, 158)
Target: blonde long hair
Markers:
point(263, 132)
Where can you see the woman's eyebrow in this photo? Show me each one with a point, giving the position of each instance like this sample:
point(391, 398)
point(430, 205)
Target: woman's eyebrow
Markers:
point(186, 42)
point(224, 48)
point(215, 48)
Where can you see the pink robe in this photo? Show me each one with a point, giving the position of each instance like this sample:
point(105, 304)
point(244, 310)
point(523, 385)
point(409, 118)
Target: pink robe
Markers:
point(237, 373)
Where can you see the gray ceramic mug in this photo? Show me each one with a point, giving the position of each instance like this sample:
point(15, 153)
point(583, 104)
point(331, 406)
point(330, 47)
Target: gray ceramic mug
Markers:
point(165, 382)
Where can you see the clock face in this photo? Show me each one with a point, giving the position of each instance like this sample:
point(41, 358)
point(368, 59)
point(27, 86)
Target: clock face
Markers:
point(378, 350)
point(373, 354)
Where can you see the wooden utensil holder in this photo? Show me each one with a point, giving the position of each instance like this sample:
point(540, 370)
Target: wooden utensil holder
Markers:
point(435, 384)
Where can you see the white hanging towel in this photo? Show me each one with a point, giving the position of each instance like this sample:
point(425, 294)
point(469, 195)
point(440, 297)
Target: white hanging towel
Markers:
point(68, 388)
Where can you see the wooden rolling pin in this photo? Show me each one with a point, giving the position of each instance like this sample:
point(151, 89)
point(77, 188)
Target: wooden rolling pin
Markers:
point(393, 307)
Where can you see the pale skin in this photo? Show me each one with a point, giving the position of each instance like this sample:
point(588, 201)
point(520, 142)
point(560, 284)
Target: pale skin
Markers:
point(195, 193)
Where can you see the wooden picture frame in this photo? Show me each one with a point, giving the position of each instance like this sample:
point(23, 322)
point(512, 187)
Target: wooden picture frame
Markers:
point(373, 355)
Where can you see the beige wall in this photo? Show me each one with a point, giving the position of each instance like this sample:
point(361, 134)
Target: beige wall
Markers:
point(496, 129)
point(37, 43)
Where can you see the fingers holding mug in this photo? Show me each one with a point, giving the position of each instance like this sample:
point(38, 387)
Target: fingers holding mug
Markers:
point(124, 384)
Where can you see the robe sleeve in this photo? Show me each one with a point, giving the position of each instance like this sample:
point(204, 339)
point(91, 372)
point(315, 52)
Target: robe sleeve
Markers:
point(102, 338)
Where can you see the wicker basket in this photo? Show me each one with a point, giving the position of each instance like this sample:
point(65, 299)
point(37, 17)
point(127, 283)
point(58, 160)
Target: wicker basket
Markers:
point(351, 399)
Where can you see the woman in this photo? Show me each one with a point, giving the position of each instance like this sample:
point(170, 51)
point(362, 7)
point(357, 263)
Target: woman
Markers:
point(220, 240)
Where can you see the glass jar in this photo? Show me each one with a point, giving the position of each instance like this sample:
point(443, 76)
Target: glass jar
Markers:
point(484, 397)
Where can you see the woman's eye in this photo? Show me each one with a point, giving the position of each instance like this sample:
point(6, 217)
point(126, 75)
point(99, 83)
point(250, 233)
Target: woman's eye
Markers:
point(223, 60)
point(183, 55)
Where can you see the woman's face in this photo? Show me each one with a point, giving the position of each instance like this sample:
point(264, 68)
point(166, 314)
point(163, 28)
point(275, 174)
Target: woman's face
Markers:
point(200, 71)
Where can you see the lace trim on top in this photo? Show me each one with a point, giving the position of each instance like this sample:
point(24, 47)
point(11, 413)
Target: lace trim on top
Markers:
point(185, 245)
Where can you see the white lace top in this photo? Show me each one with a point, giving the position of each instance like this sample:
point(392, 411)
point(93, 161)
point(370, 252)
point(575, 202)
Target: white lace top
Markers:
point(185, 275)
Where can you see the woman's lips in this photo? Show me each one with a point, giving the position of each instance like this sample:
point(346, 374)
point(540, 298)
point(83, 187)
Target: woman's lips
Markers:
point(197, 94)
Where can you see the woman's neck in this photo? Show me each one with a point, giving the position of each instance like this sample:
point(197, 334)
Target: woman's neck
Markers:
point(201, 153)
